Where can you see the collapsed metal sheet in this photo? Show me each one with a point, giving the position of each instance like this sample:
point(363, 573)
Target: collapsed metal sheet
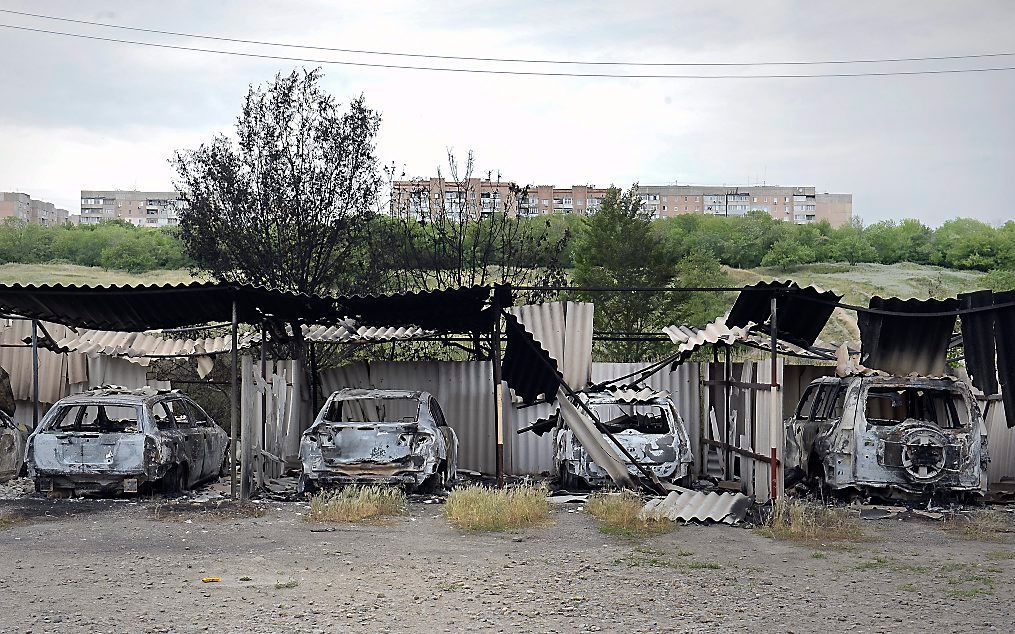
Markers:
point(978, 341)
point(1004, 334)
point(802, 311)
point(592, 441)
point(695, 506)
point(564, 330)
point(906, 344)
point(528, 369)
point(467, 309)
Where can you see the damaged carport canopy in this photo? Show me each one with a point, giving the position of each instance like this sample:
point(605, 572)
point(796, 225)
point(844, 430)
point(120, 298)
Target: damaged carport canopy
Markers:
point(802, 312)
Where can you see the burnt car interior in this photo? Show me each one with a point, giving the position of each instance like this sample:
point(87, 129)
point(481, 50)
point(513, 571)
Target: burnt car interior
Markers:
point(103, 419)
point(170, 415)
point(892, 405)
point(642, 418)
point(822, 402)
point(373, 410)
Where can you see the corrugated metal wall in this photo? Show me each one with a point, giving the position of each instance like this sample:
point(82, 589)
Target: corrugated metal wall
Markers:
point(465, 392)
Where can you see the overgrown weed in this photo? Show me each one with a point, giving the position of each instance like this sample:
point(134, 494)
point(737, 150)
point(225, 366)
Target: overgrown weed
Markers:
point(477, 508)
point(618, 514)
point(799, 521)
point(356, 504)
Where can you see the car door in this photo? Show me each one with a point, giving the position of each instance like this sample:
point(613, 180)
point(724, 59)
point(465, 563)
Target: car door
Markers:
point(193, 438)
point(214, 438)
point(450, 438)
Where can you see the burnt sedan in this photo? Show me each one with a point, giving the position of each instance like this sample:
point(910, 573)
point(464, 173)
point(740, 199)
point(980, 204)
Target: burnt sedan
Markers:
point(898, 436)
point(395, 437)
point(114, 440)
point(648, 426)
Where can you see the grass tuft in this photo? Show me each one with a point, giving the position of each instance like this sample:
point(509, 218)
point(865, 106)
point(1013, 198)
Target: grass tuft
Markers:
point(356, 504)
point(617, 514)
point(8, 520)
point(477, 508)
point(983, 525)
point(286, 585)
point(799, 521)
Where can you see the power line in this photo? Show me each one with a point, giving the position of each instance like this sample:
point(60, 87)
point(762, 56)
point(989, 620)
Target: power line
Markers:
point(502, 59)
point(486, 71)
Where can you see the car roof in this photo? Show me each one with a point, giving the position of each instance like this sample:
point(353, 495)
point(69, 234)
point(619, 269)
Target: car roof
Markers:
point(113, 393)
point(351, 394)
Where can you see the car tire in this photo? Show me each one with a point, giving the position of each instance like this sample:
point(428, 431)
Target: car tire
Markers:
point(304, 485)
point(438, 482)
point(569, 482)
point(175, 482)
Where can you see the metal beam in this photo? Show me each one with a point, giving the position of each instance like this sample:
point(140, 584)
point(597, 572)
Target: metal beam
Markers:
point(234, 406)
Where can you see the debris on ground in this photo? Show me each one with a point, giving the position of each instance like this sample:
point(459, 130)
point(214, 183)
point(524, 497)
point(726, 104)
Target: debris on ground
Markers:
point(695, 506)
point(16, 488)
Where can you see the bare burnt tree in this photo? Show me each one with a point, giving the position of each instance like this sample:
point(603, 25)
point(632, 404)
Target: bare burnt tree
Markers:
point(463, 230)
point(289, 204)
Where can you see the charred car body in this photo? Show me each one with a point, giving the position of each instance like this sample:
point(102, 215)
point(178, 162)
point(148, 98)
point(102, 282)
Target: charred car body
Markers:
point(113, 440)
point(898, 436)
point(647, 426)
point(396, 437)
point(12, 436)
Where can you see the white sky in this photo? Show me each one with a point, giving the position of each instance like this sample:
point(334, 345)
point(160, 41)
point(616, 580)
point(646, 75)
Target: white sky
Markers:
point(79, 114)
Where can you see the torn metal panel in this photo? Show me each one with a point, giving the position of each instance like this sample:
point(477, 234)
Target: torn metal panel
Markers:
point(116, 440)
point(690, 339)
point(1004, 335)
point(56, 371)
point(350, 332)
point(696, 506)
point(467, 309)
point(978, 341)
point(627, 394)
point(564, 330)
point(379, 436)
point(908, 344)
point(803, 311)
point(527, 368)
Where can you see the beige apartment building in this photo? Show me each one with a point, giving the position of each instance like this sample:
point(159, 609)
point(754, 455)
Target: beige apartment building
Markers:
point(144, 209)
point(800, 205)
point(24, 207)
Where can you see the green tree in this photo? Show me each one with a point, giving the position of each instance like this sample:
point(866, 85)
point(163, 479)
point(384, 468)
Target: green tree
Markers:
point(617, 246)
point(787, 253)
point(849, 244)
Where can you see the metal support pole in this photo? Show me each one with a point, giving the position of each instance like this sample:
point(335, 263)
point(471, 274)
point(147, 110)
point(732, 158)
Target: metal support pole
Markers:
point(35, 373)
point(315, 388)
point(498, 396)
point(264, 377)
point(234, 409)
point(727, 375)
point(774, 422)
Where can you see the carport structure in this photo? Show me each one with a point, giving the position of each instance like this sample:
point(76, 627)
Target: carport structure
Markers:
point(135, 309)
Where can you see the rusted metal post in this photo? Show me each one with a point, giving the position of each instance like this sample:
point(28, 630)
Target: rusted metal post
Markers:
point(264, 395)
point(35, 373)
point(774, 421)
point(727, 376)
point(315, 388)
point(498, 396)
point(234, 408)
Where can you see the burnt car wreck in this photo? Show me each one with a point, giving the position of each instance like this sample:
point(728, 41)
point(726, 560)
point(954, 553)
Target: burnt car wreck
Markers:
point(645, 423)
point(395, 437)
point(113, 440)
point(890, 436)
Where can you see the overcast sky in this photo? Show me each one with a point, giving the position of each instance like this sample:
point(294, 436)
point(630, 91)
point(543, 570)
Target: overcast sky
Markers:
point(86, 114)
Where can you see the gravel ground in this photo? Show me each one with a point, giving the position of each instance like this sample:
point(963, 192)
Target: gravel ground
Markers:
point(116, 565)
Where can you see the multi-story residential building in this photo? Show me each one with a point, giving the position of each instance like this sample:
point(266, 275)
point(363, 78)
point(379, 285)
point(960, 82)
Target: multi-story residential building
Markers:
point(144, 209)
point(22, 206)
point(476, 197)
point(799, 205)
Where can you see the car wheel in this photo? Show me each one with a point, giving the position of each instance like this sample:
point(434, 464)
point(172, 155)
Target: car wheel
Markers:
point(567, 481)
point(176, 480)
point(304, 485)
point(438, 482)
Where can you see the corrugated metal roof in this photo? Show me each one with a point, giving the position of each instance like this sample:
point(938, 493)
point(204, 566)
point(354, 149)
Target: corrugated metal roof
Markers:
point(626, 394)
point(143, 307)
point(689, 339)
point(527, 368)
point(465, 309)
point(350, 333)
point(696, 506)
point(140, 347)
point(56, 371)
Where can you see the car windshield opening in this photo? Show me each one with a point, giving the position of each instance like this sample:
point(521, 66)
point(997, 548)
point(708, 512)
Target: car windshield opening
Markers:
point(642, 417)
point(892, 405)
point(374, 410)
point(101, 418)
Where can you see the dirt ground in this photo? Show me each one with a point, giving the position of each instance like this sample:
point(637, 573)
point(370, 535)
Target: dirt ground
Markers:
point(137, 565)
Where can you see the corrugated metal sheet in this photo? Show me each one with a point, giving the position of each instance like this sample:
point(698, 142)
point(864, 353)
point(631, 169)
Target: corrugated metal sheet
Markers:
point(906, 344)
point(696, 506)
point(141, 347)
point(689, 339)
point(1000, 444)
point(527, 368)
point(350, 333)
point(630, 395)
point(564, 329)
point(56, 371)
point(464, 309)
point(803, 311)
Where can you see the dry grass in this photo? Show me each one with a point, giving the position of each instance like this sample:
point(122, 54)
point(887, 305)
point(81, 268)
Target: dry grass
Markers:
point(9, 520)
point(799, 521)
point(617, 514)
point(356, 504)
point(223, 511)
point(86, 275)
point(983, 525)
point(477, 508)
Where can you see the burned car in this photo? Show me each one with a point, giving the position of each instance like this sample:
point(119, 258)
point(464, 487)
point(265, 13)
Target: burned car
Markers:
point(647, 426)
point(896, 436)
point(12, 435)
point(396, 437)
point(114, 440)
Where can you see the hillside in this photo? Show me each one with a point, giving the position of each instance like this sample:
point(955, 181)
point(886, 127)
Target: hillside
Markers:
point(84, 275)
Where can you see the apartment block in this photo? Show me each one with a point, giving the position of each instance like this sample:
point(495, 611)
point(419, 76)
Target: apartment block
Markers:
point(144, 209)
point(800, 205)
point(24, 207)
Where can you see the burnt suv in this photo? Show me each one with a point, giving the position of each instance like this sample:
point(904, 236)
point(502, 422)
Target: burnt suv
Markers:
point(897, 436)
point(114, 440)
